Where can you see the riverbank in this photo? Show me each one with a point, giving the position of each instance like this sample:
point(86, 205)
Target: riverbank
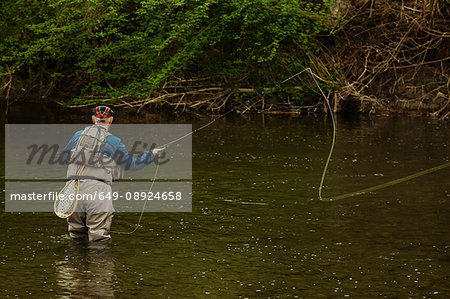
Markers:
point(373, 57)
point(190, 109)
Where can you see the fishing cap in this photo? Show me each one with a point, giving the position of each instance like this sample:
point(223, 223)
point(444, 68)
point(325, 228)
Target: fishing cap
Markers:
point(103, 112)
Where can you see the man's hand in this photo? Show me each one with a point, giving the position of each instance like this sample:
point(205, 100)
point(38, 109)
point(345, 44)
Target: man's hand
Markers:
point(157, 152)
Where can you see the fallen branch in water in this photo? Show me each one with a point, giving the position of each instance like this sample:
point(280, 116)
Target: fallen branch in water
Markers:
point(210, 98)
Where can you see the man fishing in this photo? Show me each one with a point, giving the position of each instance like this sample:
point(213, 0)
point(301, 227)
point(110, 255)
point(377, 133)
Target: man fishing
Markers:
point(96, 158)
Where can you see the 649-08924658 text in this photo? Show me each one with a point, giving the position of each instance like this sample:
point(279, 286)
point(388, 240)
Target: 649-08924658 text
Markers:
point(166, 195)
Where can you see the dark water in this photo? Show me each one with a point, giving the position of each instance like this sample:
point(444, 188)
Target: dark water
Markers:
point(257, 228)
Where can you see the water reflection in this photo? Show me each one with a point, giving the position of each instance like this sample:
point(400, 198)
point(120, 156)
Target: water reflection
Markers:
point(87, 270)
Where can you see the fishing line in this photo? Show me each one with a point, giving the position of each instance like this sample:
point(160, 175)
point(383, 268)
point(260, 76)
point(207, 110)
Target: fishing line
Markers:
point(333, 141)
point(143, 208)
point(390, 183)
point(366, 190)
point(293, 76)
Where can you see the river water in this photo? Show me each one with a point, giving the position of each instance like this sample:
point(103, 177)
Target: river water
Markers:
point(257, 228)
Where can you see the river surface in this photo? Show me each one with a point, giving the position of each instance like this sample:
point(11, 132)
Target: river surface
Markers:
point(257, 228)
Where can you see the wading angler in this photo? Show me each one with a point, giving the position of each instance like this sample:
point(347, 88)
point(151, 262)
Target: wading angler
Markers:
point(95, 159)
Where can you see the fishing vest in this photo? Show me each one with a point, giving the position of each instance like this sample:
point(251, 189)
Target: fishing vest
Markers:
point(97, 166)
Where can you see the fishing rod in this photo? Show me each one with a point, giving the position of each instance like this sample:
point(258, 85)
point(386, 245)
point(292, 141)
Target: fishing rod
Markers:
point(209, 123)
point(234, 109)
point(166, 145)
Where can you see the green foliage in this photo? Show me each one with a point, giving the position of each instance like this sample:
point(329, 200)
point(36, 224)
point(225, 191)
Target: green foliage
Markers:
point(114, 48)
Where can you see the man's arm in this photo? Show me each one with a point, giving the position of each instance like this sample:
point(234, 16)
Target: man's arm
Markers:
point(116, 149)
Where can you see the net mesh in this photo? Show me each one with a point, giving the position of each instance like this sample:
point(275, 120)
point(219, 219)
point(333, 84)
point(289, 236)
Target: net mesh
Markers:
point(66, 203)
